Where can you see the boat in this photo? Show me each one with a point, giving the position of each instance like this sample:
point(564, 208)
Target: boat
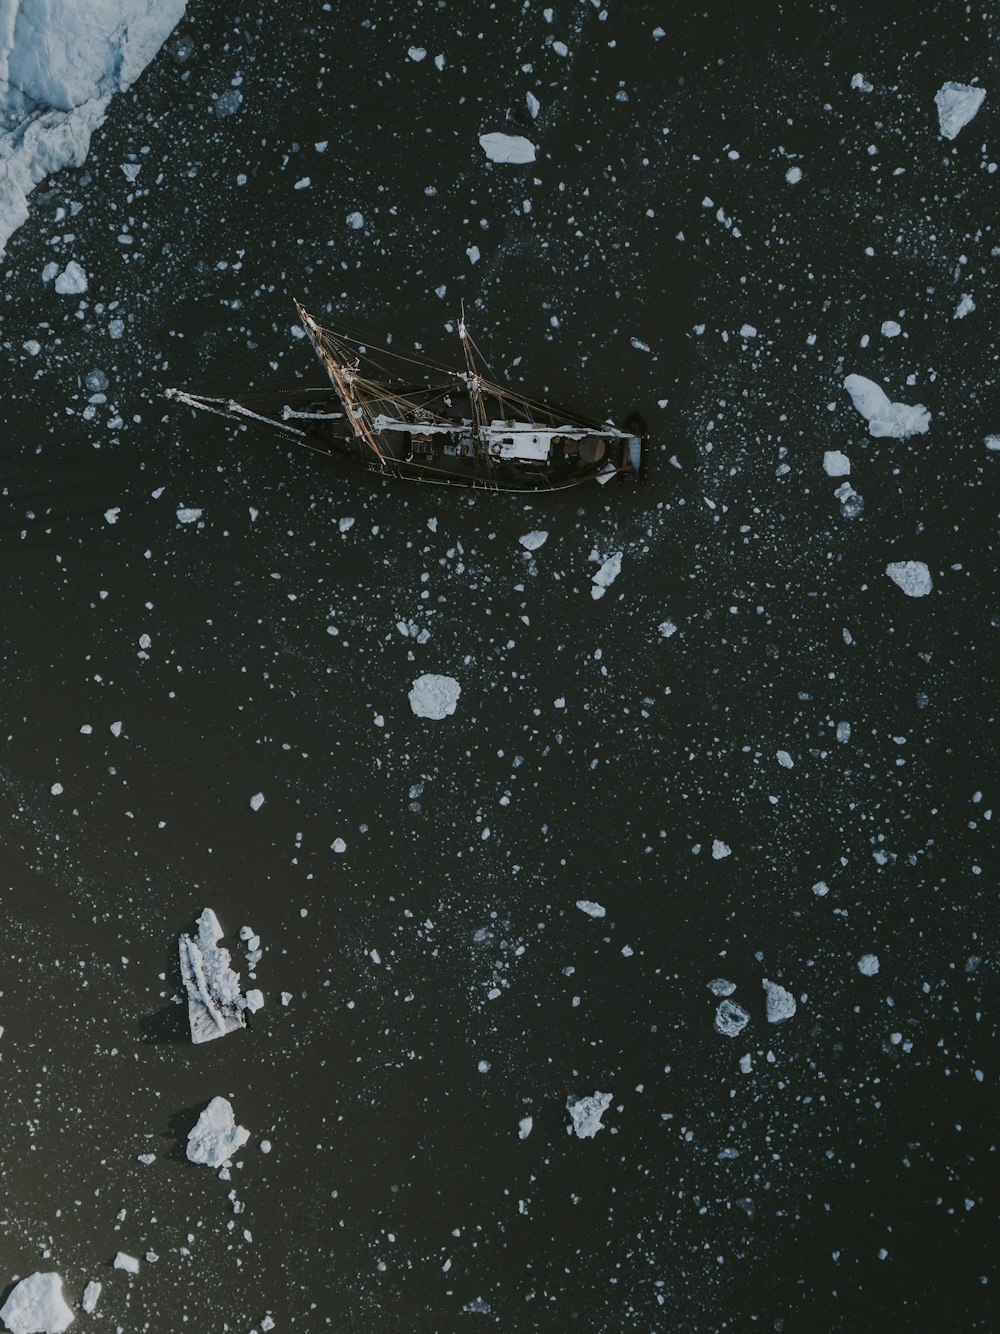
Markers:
point(440, 426)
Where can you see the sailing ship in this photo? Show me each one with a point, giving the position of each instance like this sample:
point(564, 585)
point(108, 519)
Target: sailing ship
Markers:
point(453, 427)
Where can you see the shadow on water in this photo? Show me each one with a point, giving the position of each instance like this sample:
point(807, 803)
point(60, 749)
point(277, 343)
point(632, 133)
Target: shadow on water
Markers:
point(169, 1024)
point(179, 1127)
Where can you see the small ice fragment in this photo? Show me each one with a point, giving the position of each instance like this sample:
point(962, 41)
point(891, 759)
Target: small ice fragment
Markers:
point(590, 908)
point(667, 628)
point(868, 965)
point(719, 986)
point(417, 53)
point(524, 1127)
point(91, 1296)
point(992, 443)
point(256, 801)
point(216, 1137)
point(215, 1004)
point(730, 1019)
point(338, 845)
point(836, 464)
point(37, 1306)
point(586, 1114)
point(965, 307)
point(532, 541)
point(720, 849)
point(843, 733)
point(746, 1064)
point(861, 83)
point(912, 576)
point(957, 103)
point(185, 515)
point(127, 1262)
point(533, 105)
point(606, 575)
point(111, 515)
point(747, 331)
point(507, 148)
point(355, 221)
point(785, 760)
point(898, 420)
point(265, 1146)
point(821, 889)
point(793, 175)
point(72, 281)
point(780, 1003)
point(473, 254)
point(56, 789)
point(254, 1000)
point(434, 696)
point(302, 184)
point(891, 329)
point(286, 998)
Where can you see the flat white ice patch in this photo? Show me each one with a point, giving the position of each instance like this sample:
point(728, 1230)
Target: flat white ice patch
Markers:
point(215, 1005)
point(721, 986)
point(868, 965)
point(720, 849)
point(524, 1127)
point(256, 801)
point(956, 104)
point(91, 1296)
point(793, 175)
point(72, 281)
point(355, 221)
point(912, 576)
point(512, 148)
point(37, 1306)
point(60, 66)
point(434, 696)
point(185, 515)
point(532, 541)
point(590, 908)
point(128, 1263)
point(585, 1114)
point(965, 307)
point(779, 1002)
point(730, 1019)
point(606, 575)
point(836, 464)
point(216, 1137)
point(898, 420)
point(891, 329)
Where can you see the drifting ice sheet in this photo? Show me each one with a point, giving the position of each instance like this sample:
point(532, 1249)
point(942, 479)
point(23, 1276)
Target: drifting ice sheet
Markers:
point(434, 696)
point(513, 148)
point(912, 576)
point(780, 1003)
point(60, 66)
point(216, 1137)
point(586, 1114)
point(957, 103)
point(215, 1005)
point(37, 1306)
point(606, 575)
point(898, 420)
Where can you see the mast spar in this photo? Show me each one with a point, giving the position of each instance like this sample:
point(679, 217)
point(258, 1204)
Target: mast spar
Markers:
point(342, 378)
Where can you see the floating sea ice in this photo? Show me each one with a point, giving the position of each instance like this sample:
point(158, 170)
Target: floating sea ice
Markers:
point(836, 464)
point(434, 696)
point(127, 1262)
point(111, 515)
point(992, 443)
point(720, 849)
point(37, 1306)
point(780, 1003)
point(730, 1019)
point(185, 515)
point(215, 1005)
point(72, 281)
point(956, 104)
point(216, 1137)
point(719, 986)
point(586, 1114)
point(512, 148)
point(532, 104)
point(256, 801)
point(590, 908)
point(784, 759)
point(606, 575)
point(898, 420)
point(965, 307)
point(891, 329)
point(912, 576)
point(667, 628)
point(355, 221)
point(861, 83)
point(868, 965)
point(91, 1296)
point(524, 1127)
point(532, 541)
point(417, 53)
point(793, 175)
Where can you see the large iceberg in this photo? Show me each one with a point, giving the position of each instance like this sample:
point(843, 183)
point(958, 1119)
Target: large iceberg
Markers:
point(37, 1305)
point(216, 1005)
point(957, 103)
point(60, 66)
point(898, 420)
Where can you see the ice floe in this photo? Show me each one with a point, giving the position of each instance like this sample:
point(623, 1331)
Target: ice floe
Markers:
point(216, 1137)
point(434, 696)
point(128, 1263)
point(585, 1114)
point(720, 850)
point(836, 464)
point(898, 420)
point(215, 1004)
point(868, 965)
point(60, 66)
point(606, 575)
point(730, 1019)
point(37, 1306)
point(721, 986)
point(912, 576)
point(72, 281)
point(956, 104)
point(512, 148)
point(532, 541)
point(780, 1003)
point(91, 1296)
point(965, 306)
point(590, 908)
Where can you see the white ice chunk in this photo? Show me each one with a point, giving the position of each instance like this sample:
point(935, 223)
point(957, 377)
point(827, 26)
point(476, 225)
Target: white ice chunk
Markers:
point(606, 575)
point(721, 986)
point(37, 1306)
point(793, 175)
point(586, 1114)
point(891, 329)
point(533, 105)
point(355, 221)
point(590, 908)
point(912, 576)
point(730, 1019)
point(667, 628)
point(836, 464)
point(216, 1137)
point(780, 1003)
point(532, 541)
point(512, 148)
point(720, 849)
point(898, 420)
point(956, 104)
point(72, 281)
point(417, 53)
point(127, 1262)
point(256, 801)
point(784, 759)
point(186, 515)
point(965, 307)
point(215, 1005)
point(524, 1127)
point(91, 1296)
point(434, 696)
point(861, 84)
point(868, 965)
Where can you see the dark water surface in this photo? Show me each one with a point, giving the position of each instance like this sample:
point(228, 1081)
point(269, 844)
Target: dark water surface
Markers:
point(847, 1181)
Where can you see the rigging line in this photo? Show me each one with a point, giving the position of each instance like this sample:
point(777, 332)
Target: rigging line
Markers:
point(366, 343)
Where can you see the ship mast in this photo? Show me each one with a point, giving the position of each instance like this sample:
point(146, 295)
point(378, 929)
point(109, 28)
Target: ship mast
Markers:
point(342, 377)
point(473, 379)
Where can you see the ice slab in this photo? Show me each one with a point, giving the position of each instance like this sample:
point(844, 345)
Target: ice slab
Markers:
point(898, 420)
point(215, 1003)
point(434, 696)
point(912, 576)
point(60, 66)
point(585, 1114)
point(730, 1019)
point(590, 908)
point(513, 148)
point(780, 1003)
point(956, 104)
point(868, 965)
point(606, 575)
point(37, 1306)
point(532, 541)
point(216, 1137)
